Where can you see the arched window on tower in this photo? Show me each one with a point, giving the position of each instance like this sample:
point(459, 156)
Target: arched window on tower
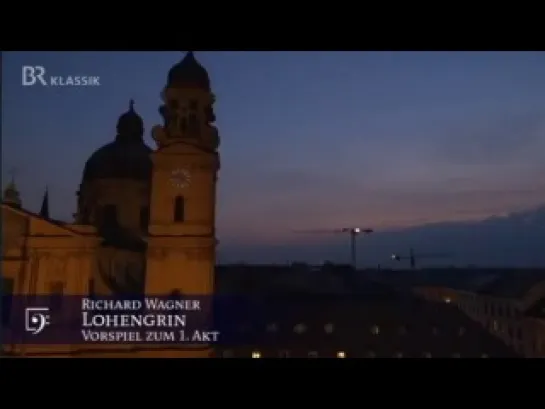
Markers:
point(193, 125)
point(193, 119)
point(179, 209)
point(109, 216)
point(56, 292)
point(209, 114)
point(91, 288)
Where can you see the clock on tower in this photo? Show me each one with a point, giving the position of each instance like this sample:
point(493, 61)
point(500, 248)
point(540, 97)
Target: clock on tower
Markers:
point(180, 178)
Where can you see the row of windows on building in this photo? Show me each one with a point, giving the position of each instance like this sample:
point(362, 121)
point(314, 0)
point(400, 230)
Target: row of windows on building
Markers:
point(108, 214)
point(513, 333)
point(489, 308)
point(339, 354)
point(504, 321)
point(374, 329)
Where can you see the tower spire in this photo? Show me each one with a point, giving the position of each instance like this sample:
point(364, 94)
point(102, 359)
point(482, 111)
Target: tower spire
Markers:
point(12, 173)
point(44, 210)
point(11, 193)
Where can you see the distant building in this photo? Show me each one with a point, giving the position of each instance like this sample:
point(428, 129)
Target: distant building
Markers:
point(510, 304)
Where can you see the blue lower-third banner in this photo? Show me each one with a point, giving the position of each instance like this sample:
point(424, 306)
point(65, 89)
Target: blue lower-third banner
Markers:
point(132, 320)
point(224, 320)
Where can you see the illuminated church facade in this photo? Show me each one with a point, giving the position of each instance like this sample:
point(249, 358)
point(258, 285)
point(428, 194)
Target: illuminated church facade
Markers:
point(145, 220)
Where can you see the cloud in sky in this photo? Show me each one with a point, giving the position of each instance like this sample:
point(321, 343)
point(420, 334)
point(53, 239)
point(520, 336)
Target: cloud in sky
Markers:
point(514, 240)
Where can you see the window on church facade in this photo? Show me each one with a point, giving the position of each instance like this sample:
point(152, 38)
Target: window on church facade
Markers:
point(179, 209)
point(56, 291)
point(84, 216)
point(7, 289)
point(175, 295)
point(144, 218)
point(91, 288)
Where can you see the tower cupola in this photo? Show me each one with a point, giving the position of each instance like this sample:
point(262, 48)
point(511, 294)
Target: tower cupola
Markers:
point(188, 113)
point(188, 73)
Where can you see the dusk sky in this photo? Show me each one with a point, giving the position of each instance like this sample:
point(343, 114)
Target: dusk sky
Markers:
point(309, 140)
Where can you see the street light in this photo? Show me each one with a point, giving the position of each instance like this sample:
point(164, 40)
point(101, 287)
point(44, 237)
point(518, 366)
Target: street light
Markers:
point(354, 232)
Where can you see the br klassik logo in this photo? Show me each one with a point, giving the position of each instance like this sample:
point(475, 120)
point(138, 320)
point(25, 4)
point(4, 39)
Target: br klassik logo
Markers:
point(38, 75)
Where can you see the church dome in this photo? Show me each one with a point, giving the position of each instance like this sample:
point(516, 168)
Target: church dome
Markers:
point(189, 72)
point(119, 160)
point(128, 157)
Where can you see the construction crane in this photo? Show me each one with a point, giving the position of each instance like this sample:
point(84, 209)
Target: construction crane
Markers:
point(412, 257)
point(354, 232)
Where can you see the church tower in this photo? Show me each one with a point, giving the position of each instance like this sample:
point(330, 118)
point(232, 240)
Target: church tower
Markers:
point(181, 232)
